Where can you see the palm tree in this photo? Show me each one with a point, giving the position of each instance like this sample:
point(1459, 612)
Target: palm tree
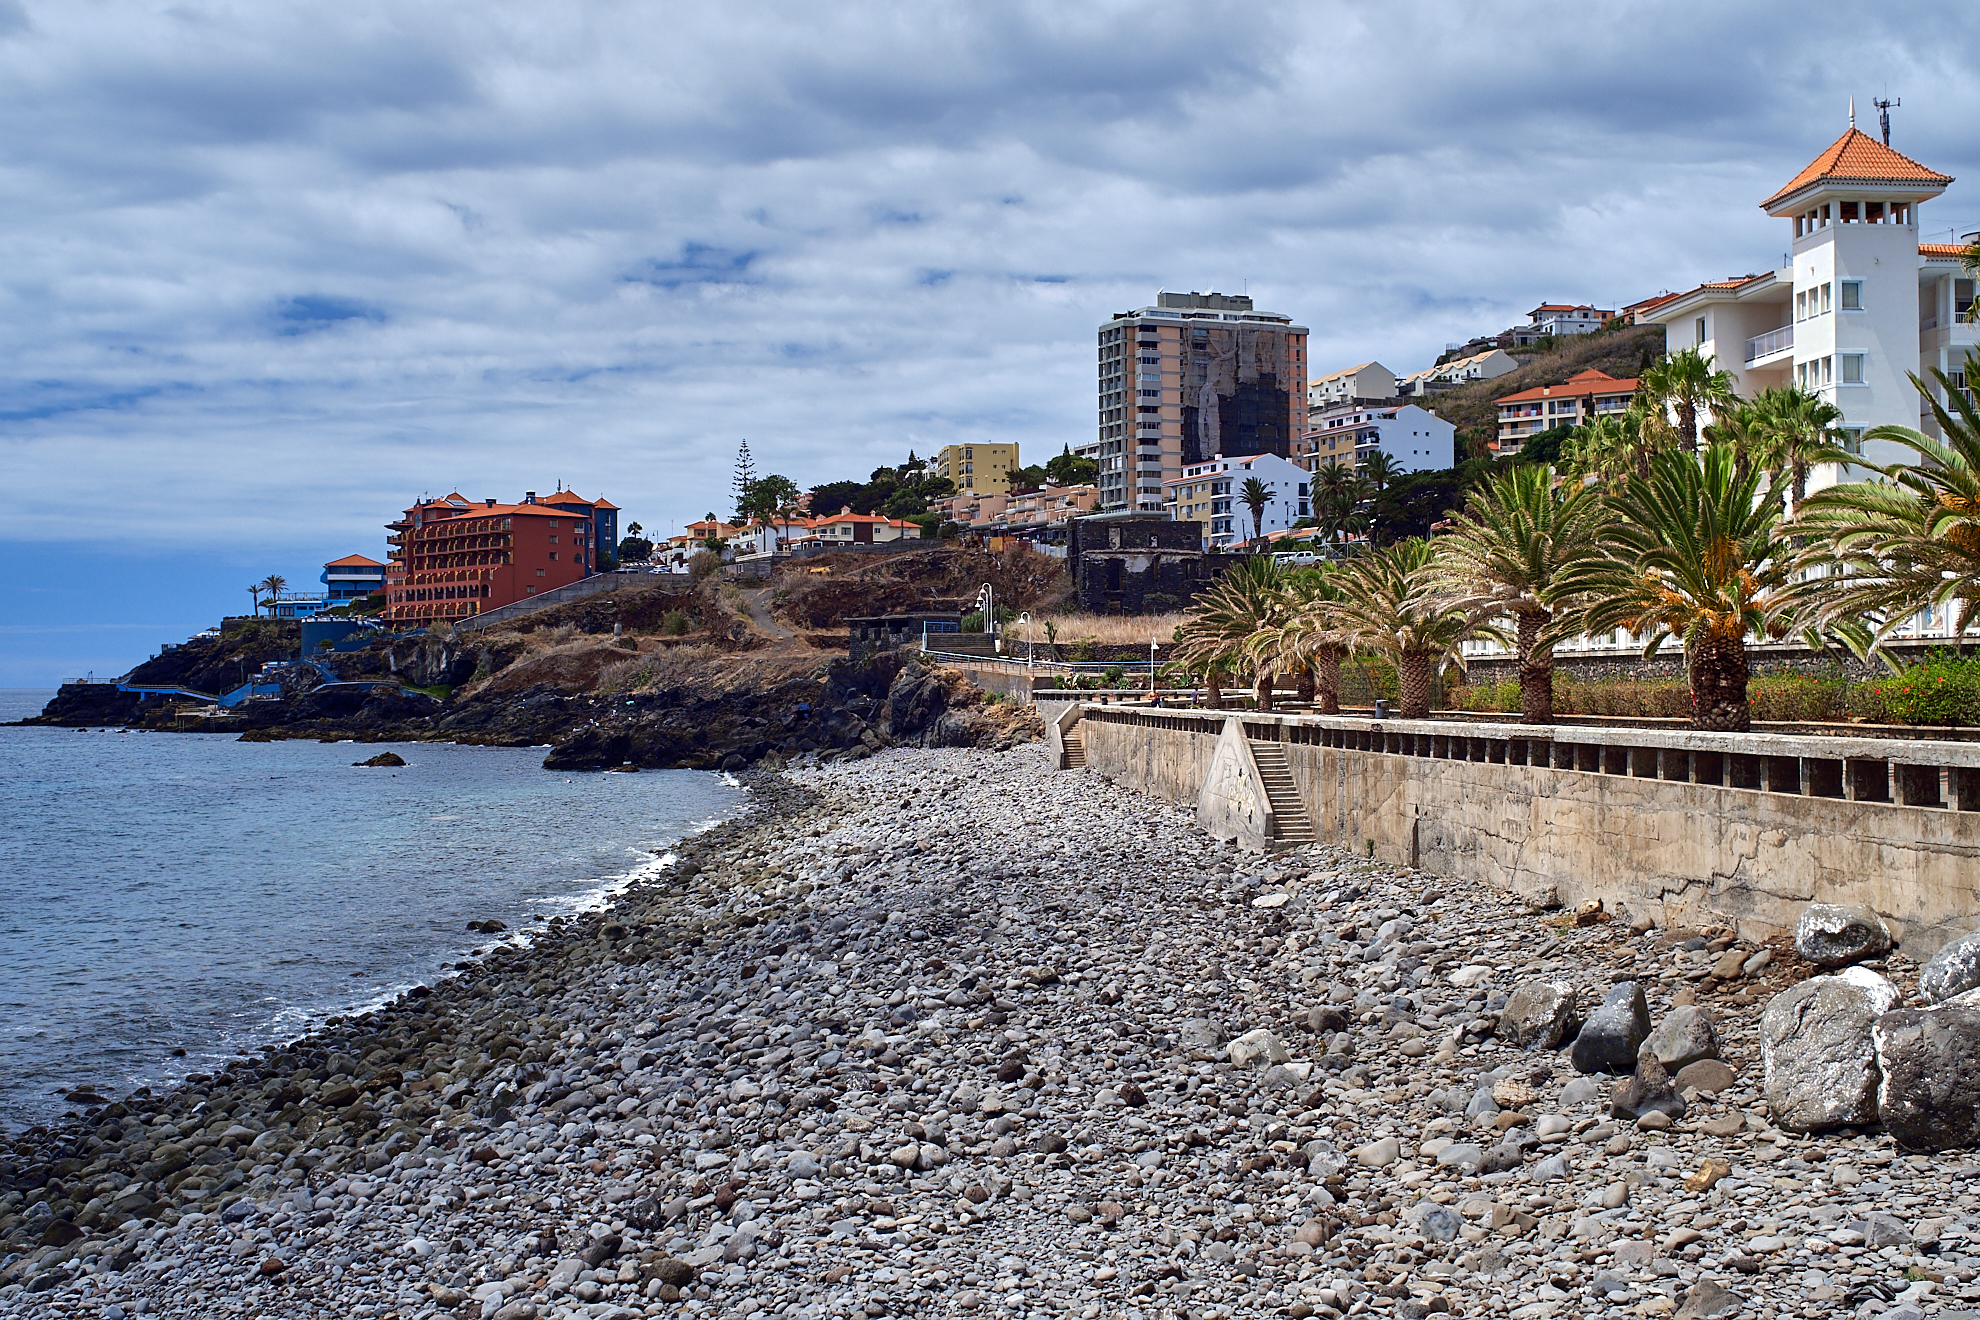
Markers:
point(1311, 638)
point(1693, 555)
point(274, 584)
point(1614, 447)
point(1392, 606)
point(1793, 430)
point(1912, 540)
point(1338, 493)
point(1510, 551)
point(254, 594)
point(1378, 469)
point(1256, 496)
point(1216, 635)
point(1686, 383)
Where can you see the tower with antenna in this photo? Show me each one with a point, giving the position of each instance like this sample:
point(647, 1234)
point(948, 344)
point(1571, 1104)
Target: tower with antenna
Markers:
point(1884, 115)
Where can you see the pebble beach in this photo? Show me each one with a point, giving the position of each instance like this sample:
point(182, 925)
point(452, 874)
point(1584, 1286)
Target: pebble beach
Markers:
point(944, 1032)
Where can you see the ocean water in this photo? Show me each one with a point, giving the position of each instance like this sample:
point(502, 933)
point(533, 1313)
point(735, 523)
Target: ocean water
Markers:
point(187, 892)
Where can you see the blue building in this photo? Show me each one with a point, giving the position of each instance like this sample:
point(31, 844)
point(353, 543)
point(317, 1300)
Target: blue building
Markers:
point(350, 579)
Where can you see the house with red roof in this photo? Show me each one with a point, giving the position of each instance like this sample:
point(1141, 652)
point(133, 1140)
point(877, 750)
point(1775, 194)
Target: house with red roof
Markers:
point(1579, 398)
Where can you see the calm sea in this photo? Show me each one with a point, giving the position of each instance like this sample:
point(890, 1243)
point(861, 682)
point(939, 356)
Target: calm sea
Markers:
point(188, 892)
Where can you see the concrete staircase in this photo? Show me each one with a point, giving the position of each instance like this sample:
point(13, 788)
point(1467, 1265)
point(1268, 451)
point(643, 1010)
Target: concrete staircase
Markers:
point(1292, 827)
point(1075, 753)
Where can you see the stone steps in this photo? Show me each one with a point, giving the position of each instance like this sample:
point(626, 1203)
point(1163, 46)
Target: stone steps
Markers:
point(1292, 825)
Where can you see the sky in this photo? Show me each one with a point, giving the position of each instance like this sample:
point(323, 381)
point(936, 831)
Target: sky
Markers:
point(270, 271)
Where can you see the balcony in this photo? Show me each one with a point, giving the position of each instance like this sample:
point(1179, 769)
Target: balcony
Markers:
point(1774, 342)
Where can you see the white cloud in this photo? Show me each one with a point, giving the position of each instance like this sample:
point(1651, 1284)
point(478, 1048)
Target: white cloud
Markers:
point(294, 264)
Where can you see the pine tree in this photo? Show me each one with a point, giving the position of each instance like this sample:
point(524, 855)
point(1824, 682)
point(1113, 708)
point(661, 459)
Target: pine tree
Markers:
point(745, 480)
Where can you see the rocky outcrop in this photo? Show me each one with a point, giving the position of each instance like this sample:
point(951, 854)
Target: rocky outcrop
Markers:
point(1816, 1049)
point(1836, 934)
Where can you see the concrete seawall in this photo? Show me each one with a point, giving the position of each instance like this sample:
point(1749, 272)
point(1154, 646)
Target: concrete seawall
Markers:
point(1681, 826)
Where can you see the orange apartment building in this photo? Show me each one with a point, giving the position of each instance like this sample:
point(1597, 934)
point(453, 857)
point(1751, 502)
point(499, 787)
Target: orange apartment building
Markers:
point(453, 557)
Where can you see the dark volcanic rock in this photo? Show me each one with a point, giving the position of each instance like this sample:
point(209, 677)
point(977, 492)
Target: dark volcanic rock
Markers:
point(1929, 1092)
point(1648, 1088)
point(1614, 1032)
point(383, 759)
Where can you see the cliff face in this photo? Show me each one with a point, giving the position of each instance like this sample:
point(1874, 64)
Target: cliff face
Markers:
point(840, 707)
point(708, 692)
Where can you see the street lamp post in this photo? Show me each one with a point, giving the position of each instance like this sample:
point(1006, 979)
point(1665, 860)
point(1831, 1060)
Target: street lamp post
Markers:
point(1151, 668)
point(1025, 619)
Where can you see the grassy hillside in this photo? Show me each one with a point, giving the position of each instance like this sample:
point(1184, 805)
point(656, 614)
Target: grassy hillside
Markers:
point(1473, 408)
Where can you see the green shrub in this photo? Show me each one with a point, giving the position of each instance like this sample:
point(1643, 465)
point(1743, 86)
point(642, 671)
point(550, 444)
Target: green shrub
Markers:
point(1941, 689)
point(1080, 652)
point(973, 621)
point(1114, 674)
point(675, 623)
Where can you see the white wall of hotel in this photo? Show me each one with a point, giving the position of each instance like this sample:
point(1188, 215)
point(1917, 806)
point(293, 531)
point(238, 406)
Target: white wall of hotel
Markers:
point(1858, 298)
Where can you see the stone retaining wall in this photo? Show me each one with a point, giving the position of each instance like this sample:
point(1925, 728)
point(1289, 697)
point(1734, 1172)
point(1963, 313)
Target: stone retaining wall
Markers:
point(1681, 826)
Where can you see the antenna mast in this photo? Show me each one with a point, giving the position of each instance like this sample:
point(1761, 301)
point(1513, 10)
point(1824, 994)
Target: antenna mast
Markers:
point(1884, 115)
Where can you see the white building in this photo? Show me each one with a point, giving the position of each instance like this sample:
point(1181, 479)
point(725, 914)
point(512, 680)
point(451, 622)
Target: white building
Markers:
point(1210, 493)
point(1562, 319)
point(1861, 304)
point(1415, 439)
point(1369, 380)
point(1488, 365)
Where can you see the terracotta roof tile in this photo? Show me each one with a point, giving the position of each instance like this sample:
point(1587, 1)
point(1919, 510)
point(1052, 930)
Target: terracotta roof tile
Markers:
point(1942, 249)
point(1860, 158)
point(354, 561)
point(1580, 384)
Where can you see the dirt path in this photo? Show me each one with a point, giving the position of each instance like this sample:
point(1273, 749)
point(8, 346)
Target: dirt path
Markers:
point(758, 602)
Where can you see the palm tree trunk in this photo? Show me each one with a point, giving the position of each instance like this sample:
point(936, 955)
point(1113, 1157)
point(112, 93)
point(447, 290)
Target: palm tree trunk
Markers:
point(1536, 672)
point(1718, 674)
point(1413, 685)
point(1303, 683)
point(1327, 667)
point(1213, 691)
point(1688, 424)
point(1264, 689)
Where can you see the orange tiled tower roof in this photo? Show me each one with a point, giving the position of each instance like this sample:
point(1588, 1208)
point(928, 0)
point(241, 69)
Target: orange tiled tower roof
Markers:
point(1859, 158)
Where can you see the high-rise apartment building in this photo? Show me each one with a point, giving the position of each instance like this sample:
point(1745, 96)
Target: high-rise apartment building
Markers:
point(1194, 377)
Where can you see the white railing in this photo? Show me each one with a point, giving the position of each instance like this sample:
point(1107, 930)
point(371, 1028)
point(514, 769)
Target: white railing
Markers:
point(1774, 341)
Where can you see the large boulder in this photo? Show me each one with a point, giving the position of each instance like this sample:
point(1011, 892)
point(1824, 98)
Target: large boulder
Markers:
point(1835, 934)
point(1614, 1032)
point(1686, 1035)
point(1953, 970)
point(1816, 1050)
point(1537, 1015)
point(1928, 1061)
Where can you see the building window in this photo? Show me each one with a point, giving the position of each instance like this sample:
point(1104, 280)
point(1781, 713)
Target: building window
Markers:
point(1853, 439)
point(1852, 295)
point(1699, 327)
point(1852, 368)
point(1826, 308)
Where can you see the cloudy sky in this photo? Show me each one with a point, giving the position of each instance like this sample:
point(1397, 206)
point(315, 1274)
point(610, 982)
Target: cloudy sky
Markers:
point(271, 270)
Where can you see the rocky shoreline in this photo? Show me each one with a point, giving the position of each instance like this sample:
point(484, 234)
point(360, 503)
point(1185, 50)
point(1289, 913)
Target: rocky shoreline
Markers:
point(945, 1032)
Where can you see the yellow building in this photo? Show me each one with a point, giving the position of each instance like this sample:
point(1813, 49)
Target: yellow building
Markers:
point(978, 469)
